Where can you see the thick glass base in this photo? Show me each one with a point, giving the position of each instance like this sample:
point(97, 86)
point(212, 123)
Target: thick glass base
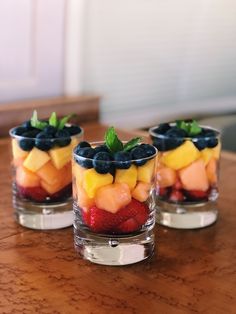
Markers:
point(186, 216)
point(114, 250)
point(43, 216)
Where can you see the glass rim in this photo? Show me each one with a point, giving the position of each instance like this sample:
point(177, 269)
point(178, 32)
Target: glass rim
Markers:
point(20, 137)
point(75, 155)
point(194, 139)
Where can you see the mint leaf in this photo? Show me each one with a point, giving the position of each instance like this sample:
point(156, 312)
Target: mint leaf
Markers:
point(194, 128)
point(37, 123)
point(132, 143)
point(112, 141)
point(53, 120)
point(64, 120)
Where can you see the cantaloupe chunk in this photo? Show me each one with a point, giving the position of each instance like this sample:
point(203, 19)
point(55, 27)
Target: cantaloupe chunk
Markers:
point(216, 151)
point(141, 191)
point(181, 156)
point(113, 197)
point(82, 198)
point(93, 180)
point(78, 172)
point(26, 178)
point(49, 173)
point(60, 156)
point(51, 188)
point(66, 174)
point(128, 176)
point(36, 159)
point(17, 151)
point(146, 172)
point(18, 161)
point(211, 171)
point(166, 177)
point(206, 154)
point(194, 176)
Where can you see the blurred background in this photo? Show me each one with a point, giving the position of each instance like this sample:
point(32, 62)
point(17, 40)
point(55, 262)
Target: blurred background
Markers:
point(141, 61)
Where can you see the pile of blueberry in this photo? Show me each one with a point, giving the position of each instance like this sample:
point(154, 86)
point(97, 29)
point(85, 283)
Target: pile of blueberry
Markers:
point(168, 136)
point(100, 157)
point(45, 139)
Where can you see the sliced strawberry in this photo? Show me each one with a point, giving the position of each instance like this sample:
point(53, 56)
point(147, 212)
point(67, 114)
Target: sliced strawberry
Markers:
point(196, 195)
point(178, 185)
point(176, 196)
point(86, 216)
point(135, 209)
point(130, 225)
point(162, 191)
point(36, 194)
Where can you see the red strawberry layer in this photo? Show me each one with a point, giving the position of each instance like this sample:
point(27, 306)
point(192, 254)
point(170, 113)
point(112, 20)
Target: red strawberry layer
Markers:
point(38, 194)
point(126, 220)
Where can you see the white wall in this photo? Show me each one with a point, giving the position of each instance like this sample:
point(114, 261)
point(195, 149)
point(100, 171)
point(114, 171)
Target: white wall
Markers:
point(152, 58)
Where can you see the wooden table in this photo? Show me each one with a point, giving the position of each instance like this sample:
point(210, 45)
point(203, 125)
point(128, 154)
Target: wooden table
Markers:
point(191, 272)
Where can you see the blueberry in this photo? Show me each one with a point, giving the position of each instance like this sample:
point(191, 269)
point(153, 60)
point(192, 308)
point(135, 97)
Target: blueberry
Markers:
point(102, 162)
point(162, 128)
point(86, 152)
point(73, 129)
point(138, 153)
point(176, 132)
point(27, 125)
point(101, 148)
point(28, 142)
point(149, 149)
point(44, 141)
point(212, 142)
point(63, 138)
point(82, 145)
point(19, 130)
point(31, 134)
point(200, 143)
point(211, 138)
point(122, 160)
point(50, 130)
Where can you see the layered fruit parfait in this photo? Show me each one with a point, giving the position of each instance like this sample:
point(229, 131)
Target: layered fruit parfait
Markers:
point(112, 185)
point(187, 163)
point(42, 158)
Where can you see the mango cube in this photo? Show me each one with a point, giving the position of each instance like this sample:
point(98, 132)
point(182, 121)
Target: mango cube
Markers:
point(128, 176)
point(216, 151)
point(93, 180)
point(206, 154)
point(181, 156)
point(36, 159)
point(60, 156)
point(113, 197)
point(145, 172)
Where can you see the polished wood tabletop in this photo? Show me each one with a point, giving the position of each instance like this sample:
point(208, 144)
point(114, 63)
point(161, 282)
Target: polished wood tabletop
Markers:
point(192, 271)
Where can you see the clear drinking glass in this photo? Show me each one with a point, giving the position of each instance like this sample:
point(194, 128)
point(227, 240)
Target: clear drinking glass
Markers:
point(115, 211)
point(187, 177)
point(42, 180)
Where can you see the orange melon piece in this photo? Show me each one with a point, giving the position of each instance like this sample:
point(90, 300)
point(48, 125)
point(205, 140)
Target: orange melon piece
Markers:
point(166, 177)
point(194, 176)
point(113, 197)
point(18, 161)
point(49, 173)
point(211, 171)
point(51, 188)
point(26, 178)
point(83, 200)
point(141, 191)
point(66, 174)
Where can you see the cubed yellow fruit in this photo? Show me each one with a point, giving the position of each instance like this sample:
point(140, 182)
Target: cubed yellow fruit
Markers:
point(141, 191)
point(166, 177)
point(83, 200)
point(113, 197)
point(194, 176)
point(216, 151)
point(206, 154)
point(36, 159)
point(211, 171)
point(26, 178)
point(17, 151)
point(60, 156)
point(128, 176)
point(145, 172)
point(93, 180)
point(181, 156)
point(78, 172)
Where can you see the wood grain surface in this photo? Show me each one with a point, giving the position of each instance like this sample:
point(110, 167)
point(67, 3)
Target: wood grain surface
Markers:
point(192, 271)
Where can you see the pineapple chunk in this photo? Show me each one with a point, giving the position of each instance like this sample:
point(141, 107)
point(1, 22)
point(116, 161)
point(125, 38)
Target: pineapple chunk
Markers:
point(206, 154)
point(60, 156)
point(216, 151)
point(93, 180)
point(181, 156)
point(145, 172)
point(128, 176)
point(17, 151)
point(78, 172)
point(36, 159)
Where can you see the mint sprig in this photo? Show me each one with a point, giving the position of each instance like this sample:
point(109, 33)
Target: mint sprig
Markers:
point(36, 123)
point(115, 145)
point(53, 120)
point(64, 120)
point(192, 128)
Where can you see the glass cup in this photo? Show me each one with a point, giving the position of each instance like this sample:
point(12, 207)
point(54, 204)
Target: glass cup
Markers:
point(42, 180)
point(114, 211)
point(187, 177)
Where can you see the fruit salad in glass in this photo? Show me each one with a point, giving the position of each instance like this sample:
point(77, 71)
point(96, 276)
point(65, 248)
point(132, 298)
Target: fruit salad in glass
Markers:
point(187, 169)
point(113, 185)
point(42, 167)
